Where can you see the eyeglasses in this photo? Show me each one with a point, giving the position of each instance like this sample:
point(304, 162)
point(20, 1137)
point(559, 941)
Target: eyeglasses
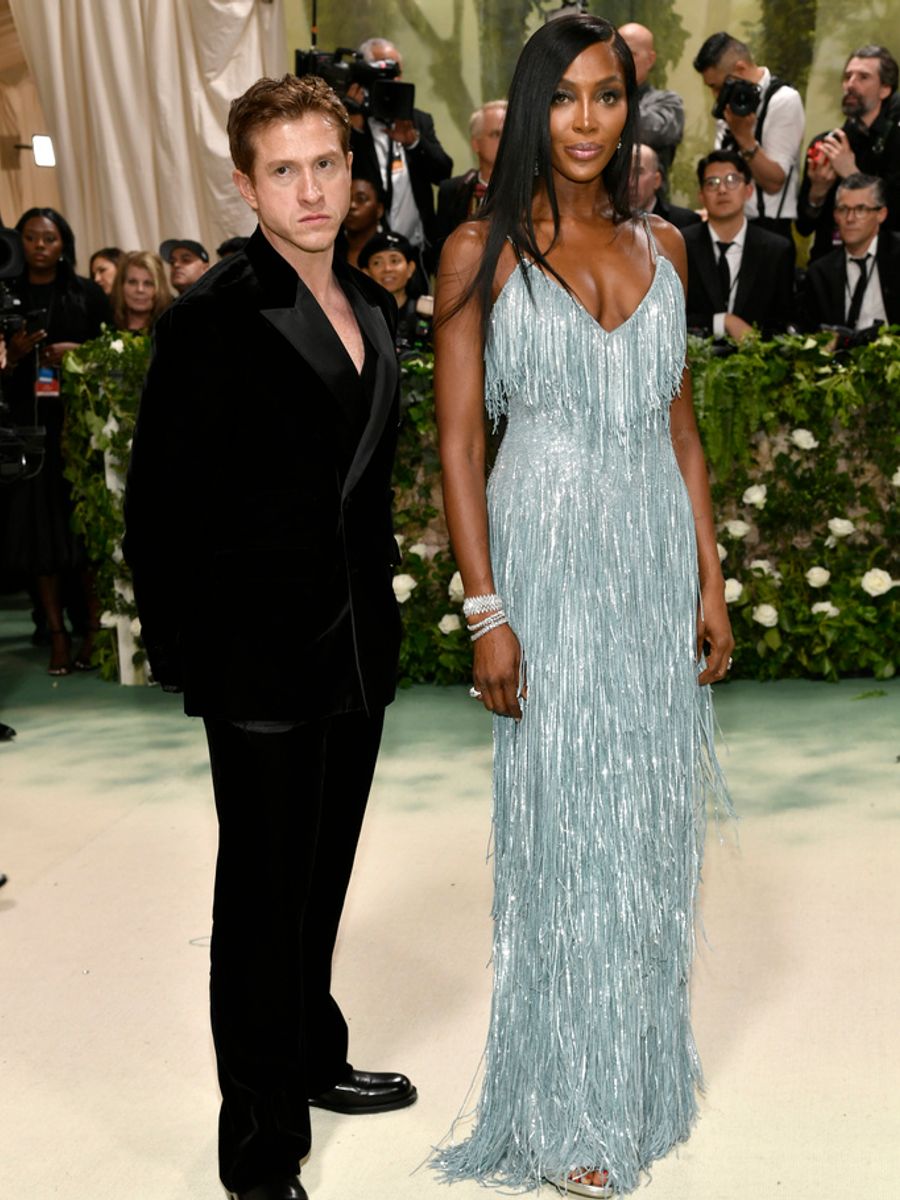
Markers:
point(712, 183)
point(855, 210)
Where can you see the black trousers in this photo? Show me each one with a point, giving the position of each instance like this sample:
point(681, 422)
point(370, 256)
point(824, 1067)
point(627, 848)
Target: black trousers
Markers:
point(290, 808)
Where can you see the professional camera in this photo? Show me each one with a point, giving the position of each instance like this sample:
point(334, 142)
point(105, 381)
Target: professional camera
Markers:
point(386, 99)
point(22, 447)
point(740, 95)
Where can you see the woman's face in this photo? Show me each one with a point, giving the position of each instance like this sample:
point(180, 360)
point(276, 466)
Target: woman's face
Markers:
point(103, 272)
point(587, 114)
point(139, 291)
point(42, 243)
point(365, 208)
point(392, 270)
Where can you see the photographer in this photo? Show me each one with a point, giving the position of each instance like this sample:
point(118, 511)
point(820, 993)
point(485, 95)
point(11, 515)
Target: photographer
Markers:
point(405, 154)
point(867, 143)
point(761, 117)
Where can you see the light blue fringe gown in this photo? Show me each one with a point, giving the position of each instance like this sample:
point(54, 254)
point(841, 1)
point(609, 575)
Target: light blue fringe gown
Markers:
point(600, 791)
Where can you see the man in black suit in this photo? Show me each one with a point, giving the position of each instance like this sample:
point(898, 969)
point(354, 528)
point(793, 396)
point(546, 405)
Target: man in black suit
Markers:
point(867, 143)
point(648, 197)
point(856, 286)
point(738, 274)
point(260, 485)
point(406, 155)
point(460, 198)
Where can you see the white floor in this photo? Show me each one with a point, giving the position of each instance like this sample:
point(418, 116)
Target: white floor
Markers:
point(107, 833)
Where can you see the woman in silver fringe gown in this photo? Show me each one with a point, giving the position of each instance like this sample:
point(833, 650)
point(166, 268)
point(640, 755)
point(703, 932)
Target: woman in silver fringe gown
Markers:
point(596, 605)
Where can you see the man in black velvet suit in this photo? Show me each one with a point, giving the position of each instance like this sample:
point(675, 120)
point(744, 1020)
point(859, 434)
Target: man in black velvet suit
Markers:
point(259, 535)
point(738, 274)
point(856, 286)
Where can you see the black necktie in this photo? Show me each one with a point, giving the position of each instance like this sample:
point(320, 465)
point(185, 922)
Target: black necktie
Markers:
point(860, 290)
point(724, 273)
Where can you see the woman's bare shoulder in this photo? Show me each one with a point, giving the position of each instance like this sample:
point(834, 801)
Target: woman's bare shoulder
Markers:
point(464, 251)
point(670, 243)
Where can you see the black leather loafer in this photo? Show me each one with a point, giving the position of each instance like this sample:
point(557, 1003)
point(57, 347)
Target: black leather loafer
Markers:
point(289, 1188)
point(367, 1092)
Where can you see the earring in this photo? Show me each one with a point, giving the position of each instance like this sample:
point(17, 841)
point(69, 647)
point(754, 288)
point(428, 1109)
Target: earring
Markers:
point(619, 147)
point(537, 167)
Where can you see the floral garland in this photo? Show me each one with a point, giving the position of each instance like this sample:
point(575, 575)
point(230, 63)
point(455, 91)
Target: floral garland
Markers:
point(805, 459)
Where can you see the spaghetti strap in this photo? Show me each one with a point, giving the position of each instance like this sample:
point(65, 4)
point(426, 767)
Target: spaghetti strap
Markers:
point(651, 240)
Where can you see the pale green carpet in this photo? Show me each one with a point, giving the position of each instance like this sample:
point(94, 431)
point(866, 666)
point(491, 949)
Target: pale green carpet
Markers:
point(108, 836)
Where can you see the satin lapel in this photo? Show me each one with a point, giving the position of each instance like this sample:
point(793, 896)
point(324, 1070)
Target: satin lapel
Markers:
point(312, 335)
point(387, 372)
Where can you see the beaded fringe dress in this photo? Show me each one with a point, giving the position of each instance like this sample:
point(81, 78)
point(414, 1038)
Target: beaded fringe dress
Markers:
point(600, 791)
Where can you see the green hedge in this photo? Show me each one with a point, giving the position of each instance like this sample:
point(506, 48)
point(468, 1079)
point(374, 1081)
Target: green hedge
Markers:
point(804, 450)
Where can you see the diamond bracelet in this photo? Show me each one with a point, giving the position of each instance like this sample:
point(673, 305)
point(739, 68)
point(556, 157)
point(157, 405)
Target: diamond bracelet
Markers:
point(473, 605)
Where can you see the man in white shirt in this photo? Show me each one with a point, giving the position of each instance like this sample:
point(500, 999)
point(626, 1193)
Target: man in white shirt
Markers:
point(739, 275)
point(768, 133)
point(857, 285)
point(406, 155)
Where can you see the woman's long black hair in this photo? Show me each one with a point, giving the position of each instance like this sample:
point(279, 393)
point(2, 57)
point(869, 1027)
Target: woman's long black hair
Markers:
point(65, 269)
point(524, 151)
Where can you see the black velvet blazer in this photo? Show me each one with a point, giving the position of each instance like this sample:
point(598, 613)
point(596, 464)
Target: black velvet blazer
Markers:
point(258, 522)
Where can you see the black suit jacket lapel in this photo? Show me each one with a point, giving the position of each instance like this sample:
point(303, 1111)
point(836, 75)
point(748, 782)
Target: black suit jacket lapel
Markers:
point(709, 275)
point(387, 374)
point(747, 292)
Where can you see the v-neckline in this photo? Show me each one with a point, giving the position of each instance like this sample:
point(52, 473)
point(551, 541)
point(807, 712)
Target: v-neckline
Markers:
point(528, 264)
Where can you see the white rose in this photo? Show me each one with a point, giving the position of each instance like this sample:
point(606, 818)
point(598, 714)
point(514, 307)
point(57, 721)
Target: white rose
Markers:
point(817, 577)
point(737, 529)
point(455, 589)
point(449, 623)
point(876, 582)
point(108, 620)
point(734, 589)
point(722, 552)
point(403, 586)
point(399, 539)
point(762, 564)
point(803, 439)
point(118, 345)
point(765, 614)
point(895, 478)
point(841, 527)
point(755, 495)
point(419, 549)
point(136, 626)
point(826, 608)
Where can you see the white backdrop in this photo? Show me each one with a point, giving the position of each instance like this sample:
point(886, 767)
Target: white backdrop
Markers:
point(136, 95)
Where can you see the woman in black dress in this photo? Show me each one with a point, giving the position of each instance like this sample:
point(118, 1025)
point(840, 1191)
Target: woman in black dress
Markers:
point(61, 310)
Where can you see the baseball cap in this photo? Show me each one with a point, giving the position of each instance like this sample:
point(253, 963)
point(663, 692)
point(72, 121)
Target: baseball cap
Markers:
point(386, 241)
point(166, 248)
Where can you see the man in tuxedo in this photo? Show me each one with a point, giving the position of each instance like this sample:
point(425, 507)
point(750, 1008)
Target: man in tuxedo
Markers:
point(739, 275)
point(260, 485)
point(405, 155)
point(867, 143)
point(856, 286)
point(460, 198)
point(648, 196)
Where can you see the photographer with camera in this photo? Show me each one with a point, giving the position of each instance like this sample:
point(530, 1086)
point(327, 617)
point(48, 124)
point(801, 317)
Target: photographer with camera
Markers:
point(868, 143)
point(762, 118)
point(403, 151)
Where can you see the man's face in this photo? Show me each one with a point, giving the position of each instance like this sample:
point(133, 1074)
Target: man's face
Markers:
point(300, 184)
point(862, 88)
point(641, 47)
point(486, 142)
point(714, 77)
point(383, 50)
point(186, 268)
point(724, 191)
point(648, 177)
point(858, 216)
